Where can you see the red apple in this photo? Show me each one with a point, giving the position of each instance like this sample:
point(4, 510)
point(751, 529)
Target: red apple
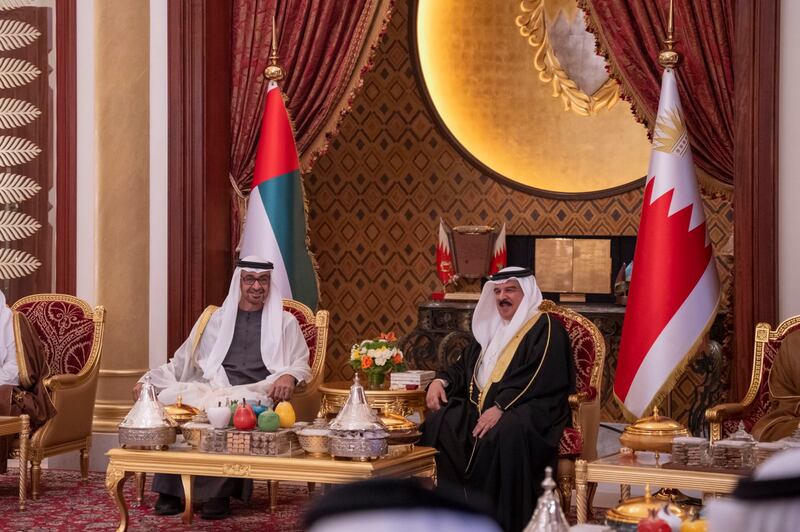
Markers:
point(244, 418)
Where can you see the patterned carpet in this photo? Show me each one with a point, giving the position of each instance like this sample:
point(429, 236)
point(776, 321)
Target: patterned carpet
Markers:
point(67, 504)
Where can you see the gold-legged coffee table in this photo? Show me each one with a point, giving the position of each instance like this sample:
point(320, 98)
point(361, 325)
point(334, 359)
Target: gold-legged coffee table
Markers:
point(642, 469)
point(334, 394)
point(10, 425)
point(122, 463)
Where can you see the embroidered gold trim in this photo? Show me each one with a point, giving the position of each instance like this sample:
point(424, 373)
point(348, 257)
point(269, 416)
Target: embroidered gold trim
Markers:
point(205, 317)
point(541, 362)
point(503, 362)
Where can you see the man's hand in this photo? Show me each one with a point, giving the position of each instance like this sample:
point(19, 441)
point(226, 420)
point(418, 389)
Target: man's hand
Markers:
point(436, 396)
point(137, 390)
point(487, 420)
point(283, 388)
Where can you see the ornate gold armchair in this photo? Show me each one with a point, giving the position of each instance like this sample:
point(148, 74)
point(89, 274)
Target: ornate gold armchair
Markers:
point(724, 418)
point(71, 334)
point(589, 352)
point(306, 399)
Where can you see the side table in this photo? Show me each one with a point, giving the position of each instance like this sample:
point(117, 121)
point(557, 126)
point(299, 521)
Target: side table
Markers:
point(10, 425)
point(641, 469)
point(334, 395)
point(123, 463)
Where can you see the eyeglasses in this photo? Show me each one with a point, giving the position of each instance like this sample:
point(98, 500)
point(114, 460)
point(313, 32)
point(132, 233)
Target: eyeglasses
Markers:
point(250, 281)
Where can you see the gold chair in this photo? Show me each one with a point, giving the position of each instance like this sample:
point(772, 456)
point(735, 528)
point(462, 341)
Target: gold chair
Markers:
point(580, 440)
point(71, 334)
point(723, 419)
point(306, 399)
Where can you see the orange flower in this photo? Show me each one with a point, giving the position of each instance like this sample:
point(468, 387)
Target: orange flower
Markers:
point(366, 362)
point(397, 358)
point(389, 337)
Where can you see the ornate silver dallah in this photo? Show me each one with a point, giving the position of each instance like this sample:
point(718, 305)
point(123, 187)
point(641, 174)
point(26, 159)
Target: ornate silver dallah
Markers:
point(548, 516)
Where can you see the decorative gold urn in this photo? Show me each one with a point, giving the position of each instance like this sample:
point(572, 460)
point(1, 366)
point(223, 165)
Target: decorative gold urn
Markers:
point(652, 433)
point(181, 413)
point(634, 510)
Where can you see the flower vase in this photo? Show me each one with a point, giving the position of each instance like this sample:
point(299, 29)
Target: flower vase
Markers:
point(375, 380)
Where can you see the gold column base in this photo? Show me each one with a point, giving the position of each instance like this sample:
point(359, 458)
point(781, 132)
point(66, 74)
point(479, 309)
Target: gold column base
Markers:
point(109, 414)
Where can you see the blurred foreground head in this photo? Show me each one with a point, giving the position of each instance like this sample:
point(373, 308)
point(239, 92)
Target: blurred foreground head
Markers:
point(769, 501)
point(391, 505)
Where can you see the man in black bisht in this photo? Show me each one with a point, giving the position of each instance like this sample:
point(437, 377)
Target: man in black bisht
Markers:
point(499, 411)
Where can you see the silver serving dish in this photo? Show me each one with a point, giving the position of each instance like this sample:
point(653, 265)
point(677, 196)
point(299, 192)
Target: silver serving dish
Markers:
point(357, 432)
point(147, 425)
point(155, 438)
point(362, 445)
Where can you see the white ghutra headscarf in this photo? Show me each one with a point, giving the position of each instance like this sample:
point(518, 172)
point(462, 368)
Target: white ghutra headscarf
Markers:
point(271, 327)
point(492, 331)
point(196, 373)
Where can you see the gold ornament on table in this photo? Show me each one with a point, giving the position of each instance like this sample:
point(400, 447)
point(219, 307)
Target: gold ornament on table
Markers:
point(653, 433)
point(403, 433)
point(181, 413)
point(633, 510)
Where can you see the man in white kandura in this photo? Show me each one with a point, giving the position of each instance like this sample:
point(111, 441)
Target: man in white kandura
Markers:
point(250, 347)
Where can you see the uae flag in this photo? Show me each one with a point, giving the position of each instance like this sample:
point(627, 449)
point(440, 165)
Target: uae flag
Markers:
point(674, 289)
point(275, 226)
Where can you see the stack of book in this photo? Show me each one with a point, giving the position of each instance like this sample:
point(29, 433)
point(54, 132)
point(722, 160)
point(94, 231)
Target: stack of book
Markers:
point(408, 379)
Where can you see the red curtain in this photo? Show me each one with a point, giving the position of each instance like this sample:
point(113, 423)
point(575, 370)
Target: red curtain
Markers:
point(321, 43)
point(324, 46)
point(630, 34)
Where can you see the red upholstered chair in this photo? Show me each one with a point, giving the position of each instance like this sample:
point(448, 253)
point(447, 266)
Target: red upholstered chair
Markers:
point(724, 418)
point(589, 351)
point(71, 334)
point(306, 399)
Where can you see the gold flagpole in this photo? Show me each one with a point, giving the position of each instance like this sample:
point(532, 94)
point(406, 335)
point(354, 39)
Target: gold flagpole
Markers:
point(669, 58)
point(274, 71)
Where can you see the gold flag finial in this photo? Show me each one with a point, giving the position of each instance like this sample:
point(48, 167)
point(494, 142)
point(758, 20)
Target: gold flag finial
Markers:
point(669, 58)
point(274, 72)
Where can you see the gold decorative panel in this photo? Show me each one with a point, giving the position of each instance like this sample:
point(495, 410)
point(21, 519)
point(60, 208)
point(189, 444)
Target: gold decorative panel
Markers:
point(375, 199)
point(514, 107)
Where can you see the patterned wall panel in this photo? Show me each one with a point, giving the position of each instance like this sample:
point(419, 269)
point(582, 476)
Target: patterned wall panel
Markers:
point(376, 196)
point(26, 152)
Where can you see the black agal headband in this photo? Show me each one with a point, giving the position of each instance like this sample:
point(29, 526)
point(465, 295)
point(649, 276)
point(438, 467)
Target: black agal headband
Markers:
point(254, 265)
point(502, 276)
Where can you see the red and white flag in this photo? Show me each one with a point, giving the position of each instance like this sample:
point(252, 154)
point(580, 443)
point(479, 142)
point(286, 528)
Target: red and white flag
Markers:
point(499, 255)
point(674, 289)
point(444, 256)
